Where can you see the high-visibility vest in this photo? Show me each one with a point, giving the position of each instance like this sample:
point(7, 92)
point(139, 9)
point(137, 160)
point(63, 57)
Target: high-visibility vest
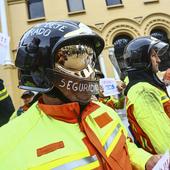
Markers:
point(109, 101)
point(113, 102)
point(36, 141)
point(140, 136)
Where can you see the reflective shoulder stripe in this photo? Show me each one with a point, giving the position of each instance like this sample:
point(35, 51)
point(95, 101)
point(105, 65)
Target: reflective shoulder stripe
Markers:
point(111, 137)
point(164, 98)
point(3, 94)
point(77, 163)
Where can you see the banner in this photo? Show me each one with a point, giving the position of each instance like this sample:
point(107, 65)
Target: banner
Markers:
point(4, 47)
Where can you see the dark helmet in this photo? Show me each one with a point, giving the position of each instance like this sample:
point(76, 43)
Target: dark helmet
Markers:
point(36, 55)
point(137, 52)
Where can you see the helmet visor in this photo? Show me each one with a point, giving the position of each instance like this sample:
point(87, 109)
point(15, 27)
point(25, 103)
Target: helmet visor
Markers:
point(159, 46)
point(75, 60)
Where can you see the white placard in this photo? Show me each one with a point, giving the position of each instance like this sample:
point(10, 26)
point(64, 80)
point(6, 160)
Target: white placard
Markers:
point(109, 86)
point(168, 89)
point(163, 163)
point(4, 47)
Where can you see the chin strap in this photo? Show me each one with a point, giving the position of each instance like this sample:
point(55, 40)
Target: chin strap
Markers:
point(56, 93)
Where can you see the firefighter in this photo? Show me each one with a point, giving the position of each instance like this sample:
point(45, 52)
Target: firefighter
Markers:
point(65, 129)
point(148, 105)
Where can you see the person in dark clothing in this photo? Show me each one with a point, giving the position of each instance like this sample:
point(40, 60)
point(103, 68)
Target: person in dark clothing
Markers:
point(6, 104)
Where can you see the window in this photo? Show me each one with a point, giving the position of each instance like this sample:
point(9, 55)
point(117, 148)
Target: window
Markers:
point(150, 1)
point(113, 2)
point(159, 34)
point(35, 9)
point(75, 5)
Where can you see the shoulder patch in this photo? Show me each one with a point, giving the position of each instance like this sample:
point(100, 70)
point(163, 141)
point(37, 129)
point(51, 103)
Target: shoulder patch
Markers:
point(103, 119)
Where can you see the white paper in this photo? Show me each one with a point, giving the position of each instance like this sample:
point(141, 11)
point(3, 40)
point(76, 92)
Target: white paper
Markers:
point(109, 86)
point(163, 163)
point(4, 47)
point(168, 89)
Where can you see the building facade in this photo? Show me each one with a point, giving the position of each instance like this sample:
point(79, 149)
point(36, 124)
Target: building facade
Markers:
point(117, 21)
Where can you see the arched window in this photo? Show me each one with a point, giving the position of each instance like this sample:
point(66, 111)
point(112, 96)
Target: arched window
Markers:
point(120, 43)
point(165, 59)
point(159, 34)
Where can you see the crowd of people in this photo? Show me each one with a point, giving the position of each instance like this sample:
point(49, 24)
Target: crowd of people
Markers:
point(69, 123)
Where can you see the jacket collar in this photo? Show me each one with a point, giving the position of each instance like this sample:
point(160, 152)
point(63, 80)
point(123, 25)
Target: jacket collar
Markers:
point(69, 112)
point(148, 76)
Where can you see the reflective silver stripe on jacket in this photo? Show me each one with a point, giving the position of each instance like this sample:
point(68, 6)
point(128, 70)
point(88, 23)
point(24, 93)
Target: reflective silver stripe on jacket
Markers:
point(111, 137)
point(77, 163)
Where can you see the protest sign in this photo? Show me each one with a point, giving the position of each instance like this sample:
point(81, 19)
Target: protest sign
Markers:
point(4, 47)
point(168, 89)
point(109, 86)
point(163, 163)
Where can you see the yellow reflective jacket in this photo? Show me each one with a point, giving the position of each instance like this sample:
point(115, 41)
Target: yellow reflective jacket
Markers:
point(37, 141)
point(147, 109)
point(113, 102)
